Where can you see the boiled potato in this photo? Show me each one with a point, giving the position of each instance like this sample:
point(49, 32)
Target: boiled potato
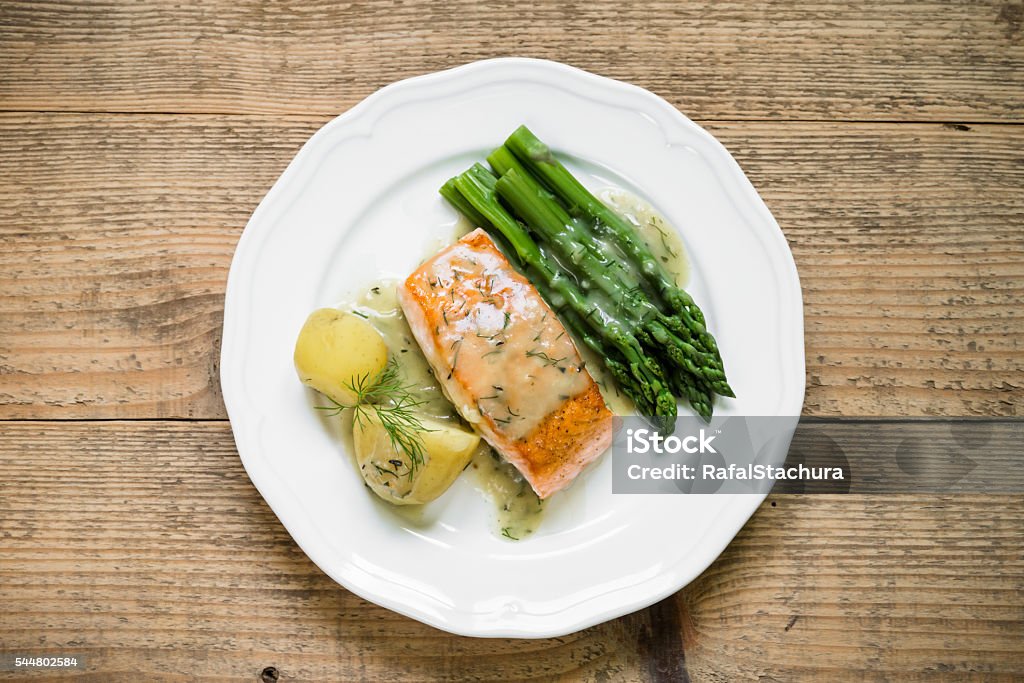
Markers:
point(336, 349)
point(447, 451)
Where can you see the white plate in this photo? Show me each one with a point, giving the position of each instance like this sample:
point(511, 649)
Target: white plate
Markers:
point(360, 199)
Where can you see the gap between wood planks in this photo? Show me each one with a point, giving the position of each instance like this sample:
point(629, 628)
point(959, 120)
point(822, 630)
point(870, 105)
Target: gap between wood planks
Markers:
point(950, 123)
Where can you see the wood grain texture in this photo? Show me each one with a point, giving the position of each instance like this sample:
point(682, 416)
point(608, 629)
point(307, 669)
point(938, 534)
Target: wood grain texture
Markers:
point(142, 544)
point(118, 231)
point(909, 241)
point(876, 60)
point(143, 547)
point(864, 588)
point(909, 455)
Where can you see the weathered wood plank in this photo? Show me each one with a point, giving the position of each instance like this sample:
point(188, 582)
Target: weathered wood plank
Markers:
point(909, 246)
point(877, 60)
point(899, 456)
point(864, 588)
point(118, 231)
point(143, 546)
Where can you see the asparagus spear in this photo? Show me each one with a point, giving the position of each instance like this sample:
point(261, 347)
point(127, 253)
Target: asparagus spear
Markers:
point(674, 337)
point(455, 198)
point(550, 221)
point(538, 159)
point(502, 160)
point(697, 393)
point(474, 185)
point(611, 358)
point(537, 254)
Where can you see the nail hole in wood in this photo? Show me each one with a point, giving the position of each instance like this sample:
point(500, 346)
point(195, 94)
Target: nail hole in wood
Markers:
point(270, 675)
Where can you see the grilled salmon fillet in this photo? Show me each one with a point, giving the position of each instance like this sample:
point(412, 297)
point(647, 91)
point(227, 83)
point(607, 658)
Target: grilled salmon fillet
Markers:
point(505, 361)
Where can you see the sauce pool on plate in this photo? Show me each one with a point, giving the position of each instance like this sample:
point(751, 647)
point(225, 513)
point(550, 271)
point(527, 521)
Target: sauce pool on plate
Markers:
point(518, 510)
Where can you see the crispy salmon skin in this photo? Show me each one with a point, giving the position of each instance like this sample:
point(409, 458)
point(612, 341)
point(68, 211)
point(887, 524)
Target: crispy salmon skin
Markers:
point(505, 361)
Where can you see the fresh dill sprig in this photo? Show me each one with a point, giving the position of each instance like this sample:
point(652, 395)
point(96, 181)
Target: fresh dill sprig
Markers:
point(394, 404)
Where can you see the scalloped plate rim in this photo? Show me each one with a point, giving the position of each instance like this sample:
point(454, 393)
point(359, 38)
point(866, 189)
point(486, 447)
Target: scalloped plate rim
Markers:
point(579, 615)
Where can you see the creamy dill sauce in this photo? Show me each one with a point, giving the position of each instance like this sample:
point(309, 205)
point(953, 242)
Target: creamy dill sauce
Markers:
point(519, 511)
point(509, 363)
point(662, 239)
point(666, 245)
point(379, 305)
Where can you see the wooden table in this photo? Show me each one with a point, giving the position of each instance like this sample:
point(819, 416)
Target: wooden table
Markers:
point(135, 141)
